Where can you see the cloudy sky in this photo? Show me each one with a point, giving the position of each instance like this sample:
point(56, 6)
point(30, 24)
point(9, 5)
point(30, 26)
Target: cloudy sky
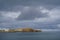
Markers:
point(44, 14)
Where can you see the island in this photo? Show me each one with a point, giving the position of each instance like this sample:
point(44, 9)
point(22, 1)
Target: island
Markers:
point(21, 30)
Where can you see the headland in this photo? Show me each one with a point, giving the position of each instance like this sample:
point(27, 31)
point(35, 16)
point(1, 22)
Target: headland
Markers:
point(21, 30)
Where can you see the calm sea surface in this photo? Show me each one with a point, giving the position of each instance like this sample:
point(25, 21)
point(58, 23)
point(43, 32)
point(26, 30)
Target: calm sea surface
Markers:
point(31, 36)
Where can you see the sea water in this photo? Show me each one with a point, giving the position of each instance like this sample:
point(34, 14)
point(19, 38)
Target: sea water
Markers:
point(51, 35)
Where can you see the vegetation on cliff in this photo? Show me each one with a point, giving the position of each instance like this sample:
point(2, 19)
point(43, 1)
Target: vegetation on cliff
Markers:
point(21, 30)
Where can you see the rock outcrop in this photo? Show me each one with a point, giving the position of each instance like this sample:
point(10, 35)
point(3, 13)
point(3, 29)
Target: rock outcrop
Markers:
point(26, 30)
point(21, 30)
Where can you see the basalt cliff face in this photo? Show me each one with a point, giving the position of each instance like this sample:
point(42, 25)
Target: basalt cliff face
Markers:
point(21, 30)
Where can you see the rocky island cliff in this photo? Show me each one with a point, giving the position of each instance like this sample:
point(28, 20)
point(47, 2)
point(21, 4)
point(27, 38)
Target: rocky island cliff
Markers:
point(21, 30)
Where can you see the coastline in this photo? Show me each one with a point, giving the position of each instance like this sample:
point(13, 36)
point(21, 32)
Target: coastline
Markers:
point(21, 30)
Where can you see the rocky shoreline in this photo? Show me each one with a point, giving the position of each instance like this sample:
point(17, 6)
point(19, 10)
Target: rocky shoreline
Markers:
point(21, 30)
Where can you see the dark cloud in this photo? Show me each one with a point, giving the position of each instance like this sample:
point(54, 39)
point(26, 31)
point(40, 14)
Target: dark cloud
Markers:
point(31, 14)
point(6, 4)
point(28, 15)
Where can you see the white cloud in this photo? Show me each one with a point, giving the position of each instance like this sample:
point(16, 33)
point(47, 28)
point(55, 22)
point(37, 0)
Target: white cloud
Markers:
point(40, 19)
point(53, 15)
point(11, 15)
point(43, 10)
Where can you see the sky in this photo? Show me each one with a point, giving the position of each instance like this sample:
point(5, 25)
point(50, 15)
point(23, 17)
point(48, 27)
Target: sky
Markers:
point(39, 14)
